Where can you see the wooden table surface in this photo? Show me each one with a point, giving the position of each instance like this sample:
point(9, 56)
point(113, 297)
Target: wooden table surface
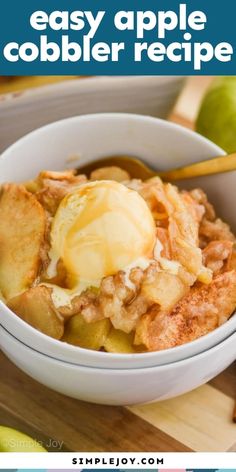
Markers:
point(197, 421)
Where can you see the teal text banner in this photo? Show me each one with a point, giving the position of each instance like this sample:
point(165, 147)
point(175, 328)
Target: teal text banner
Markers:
point(125, 37)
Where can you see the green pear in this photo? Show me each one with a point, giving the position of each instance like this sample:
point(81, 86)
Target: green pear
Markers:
point(217, 116)
point(12, 440)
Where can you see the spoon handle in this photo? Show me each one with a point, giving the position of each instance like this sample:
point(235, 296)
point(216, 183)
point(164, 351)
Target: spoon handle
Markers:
point(211, 166)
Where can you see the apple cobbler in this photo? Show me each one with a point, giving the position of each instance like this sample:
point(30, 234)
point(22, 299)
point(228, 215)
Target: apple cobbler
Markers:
point(113, 263)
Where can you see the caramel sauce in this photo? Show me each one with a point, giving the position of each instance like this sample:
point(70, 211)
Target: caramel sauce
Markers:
point(114, 226)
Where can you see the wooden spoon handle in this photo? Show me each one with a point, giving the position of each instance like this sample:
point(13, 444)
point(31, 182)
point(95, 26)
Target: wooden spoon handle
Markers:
point(211, 166)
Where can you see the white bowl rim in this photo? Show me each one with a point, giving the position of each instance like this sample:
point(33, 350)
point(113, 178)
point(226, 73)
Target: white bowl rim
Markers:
point(70, 348)
point(111, 116)
point(141, 370)
point(100, 354)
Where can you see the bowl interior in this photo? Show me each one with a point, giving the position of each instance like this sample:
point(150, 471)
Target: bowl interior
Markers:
point(72, 142)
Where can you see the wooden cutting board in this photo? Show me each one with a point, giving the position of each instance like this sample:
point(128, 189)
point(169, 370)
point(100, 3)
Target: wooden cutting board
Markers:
point(197, 421)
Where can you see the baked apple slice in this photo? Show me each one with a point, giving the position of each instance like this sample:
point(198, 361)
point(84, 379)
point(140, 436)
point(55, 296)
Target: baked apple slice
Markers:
point(22, 234)
point(35, 306)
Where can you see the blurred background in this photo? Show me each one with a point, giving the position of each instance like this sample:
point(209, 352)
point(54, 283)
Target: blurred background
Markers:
point(204, 103)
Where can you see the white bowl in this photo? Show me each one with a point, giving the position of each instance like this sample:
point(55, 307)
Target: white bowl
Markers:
point(161, 144)
point(122, 386)
point(25, 333)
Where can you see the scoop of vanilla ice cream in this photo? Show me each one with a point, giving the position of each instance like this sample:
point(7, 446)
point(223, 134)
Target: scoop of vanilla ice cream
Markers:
point(99, 229)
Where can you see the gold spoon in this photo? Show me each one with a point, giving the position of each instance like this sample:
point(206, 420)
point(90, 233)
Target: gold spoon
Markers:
point(138, 169)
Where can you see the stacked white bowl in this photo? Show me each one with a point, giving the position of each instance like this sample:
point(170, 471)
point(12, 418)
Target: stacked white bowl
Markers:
point(101, 377)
